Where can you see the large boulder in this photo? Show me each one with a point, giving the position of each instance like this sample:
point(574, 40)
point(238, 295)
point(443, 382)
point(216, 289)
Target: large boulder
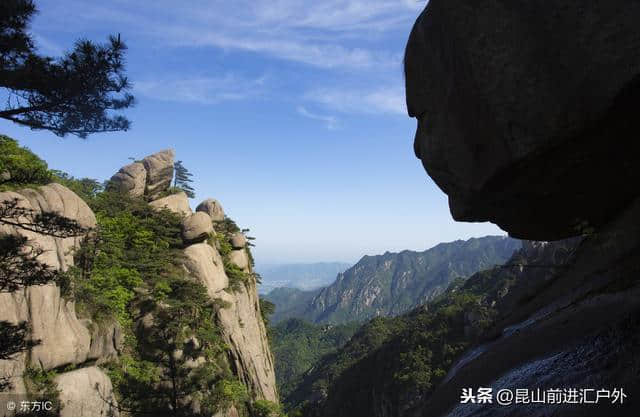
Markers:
point(527, 111)
point(130, 179)
point(177, 203)
point(238, 241)
point(63, 339)
point(86, 392)
point(197, 227)
point(239, 258)
point(159, 167)
point(205, 264)
point(212, 208)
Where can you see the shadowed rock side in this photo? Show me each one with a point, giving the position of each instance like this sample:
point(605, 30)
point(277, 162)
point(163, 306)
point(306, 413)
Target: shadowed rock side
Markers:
point(527, 118)
point(527, 112)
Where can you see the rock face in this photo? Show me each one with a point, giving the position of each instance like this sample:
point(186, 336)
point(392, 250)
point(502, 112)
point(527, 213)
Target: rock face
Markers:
point(131, 179)
point(86, 392)
point(526, 117)
point(241, 320)
point(526, 112)
point(212, 208)
point(238, 241)
point(197, 227)
point(178, 203)
point(205, 263)
point(149, 178)
point(63, 339)
point(159, 167)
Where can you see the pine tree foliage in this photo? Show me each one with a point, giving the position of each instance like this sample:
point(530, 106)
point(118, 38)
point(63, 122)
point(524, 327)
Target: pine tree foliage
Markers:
point(182, 179)
point(74, 94)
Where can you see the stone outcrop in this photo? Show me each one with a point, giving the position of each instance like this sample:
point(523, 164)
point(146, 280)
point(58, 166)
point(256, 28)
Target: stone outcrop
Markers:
point(149, 178)
point(238, 241)
point(131, 179)
point(62, 338)
point(212, 208)
point(159, 167)
point(86, 392)
point(527, 112)
point(205, 263)
point(178, 203)
point(240, 320)
point(106, 341)
point(197, 227)
point(239, 258)
point(527, 118)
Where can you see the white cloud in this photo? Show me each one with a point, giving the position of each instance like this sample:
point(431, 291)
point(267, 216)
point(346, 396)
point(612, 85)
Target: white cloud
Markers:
point(202, 90)
point(313, 33)
point(331, 122)
point(381, 101)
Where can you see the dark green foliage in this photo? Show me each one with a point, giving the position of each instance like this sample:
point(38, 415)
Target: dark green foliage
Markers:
point(404, 358)
point(131, 271)
point(267, 308)
point(20, 165)
point(85, 188)
point(182, 179)
point(73, 94)
point(264, 408)
point(297, 347)
point(41, 387)
point(237, 277)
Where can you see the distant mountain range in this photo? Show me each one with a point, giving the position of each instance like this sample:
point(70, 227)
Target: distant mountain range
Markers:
point(392, 283)
point(304, 276)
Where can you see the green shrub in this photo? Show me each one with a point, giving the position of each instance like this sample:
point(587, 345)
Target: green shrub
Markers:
point(23, 166)
point(264, 408)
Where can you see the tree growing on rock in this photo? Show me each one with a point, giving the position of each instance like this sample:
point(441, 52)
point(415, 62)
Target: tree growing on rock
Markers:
point(75, 94)
point(20, 267)
point(183, 179)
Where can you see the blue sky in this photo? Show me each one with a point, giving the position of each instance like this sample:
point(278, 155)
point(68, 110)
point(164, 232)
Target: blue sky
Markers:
point(290, 113)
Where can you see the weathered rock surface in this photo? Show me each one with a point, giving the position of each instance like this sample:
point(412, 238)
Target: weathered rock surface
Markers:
point(205, 263)
point(527, 112)
point(241, 321)
point(238, 241)
point(245, 333)
point(197, 227)
point(130, 179)
point(86, 392)
point(159, 167)
point(177, 203)
point(63, 339)
point(212, 208)
point(239, 258)
point(106, 341)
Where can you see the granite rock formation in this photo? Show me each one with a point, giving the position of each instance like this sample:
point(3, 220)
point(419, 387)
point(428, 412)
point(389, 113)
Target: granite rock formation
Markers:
point(526, 112)
point(212, 208)
point(527, 118)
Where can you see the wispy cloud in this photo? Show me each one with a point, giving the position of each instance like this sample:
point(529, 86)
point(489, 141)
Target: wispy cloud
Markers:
point(378, 101)
point(202, 90)
point(331, 122)
point(311, 33)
